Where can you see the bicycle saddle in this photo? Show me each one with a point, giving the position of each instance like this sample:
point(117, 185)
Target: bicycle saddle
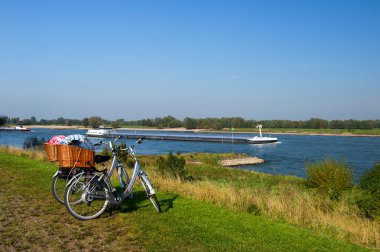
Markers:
point(101, 158)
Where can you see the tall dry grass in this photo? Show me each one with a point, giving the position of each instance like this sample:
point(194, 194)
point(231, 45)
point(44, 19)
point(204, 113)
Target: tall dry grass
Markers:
point(35, 154)
point(284, 202)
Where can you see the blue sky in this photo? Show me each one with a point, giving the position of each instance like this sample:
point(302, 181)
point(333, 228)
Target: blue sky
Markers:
point(144, 59)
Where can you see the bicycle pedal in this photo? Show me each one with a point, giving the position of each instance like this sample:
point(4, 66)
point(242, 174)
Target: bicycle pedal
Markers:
point(118, 196)
point(116, 199)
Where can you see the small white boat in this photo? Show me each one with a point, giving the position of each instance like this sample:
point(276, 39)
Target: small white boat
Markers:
point(17, 128)
point(260, 139)
point(101, 131)
point(21, 128)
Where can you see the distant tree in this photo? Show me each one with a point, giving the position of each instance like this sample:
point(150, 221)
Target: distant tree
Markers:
point(68, 122)
point(26, 122)
point(366, 124)
point(149, 122)
point(105, 122)
point(115, 124)
point(85, 122)
point(237, 122)
point(190, 123)
point(60, 121)
point(316, 123)
point(15, 120)
point(44, 122)
point(172, 122)
point(95, 121)
point(33, 120)
point(3, 120)
point(337, 124)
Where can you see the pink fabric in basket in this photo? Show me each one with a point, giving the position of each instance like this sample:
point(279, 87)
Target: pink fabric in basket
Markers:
point(56, 139)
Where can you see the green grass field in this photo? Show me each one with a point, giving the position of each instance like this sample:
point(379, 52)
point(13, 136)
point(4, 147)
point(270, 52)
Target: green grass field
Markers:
point(30, 219)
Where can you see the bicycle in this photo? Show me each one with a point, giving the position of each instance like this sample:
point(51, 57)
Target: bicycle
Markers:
point(88, 194)
point(61, 178)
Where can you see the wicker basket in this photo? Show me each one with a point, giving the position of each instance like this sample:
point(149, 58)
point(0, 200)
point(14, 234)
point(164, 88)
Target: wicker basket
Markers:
point(71, 156)
point(51, 151)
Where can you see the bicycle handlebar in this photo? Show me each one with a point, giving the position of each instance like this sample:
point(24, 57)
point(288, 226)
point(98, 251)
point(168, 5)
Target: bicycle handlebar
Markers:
point(98, 144)
point(139, 141)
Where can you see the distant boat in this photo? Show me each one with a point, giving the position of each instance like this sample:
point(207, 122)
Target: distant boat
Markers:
point(260, 139)
point(101, 131)
point(17, 128)
point(21, 128)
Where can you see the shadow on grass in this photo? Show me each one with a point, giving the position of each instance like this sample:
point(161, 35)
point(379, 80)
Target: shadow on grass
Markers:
point(140, 201)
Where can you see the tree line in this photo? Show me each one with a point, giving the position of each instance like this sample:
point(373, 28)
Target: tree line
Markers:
point(198, 123)
point(94, 121)
point(238, 122)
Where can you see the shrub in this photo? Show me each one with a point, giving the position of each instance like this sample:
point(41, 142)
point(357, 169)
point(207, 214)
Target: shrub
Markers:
point(122, 155)
point(106, 152)
point(370, 183)
point(371, 180)
point(33, 142)
point(330, 176)
point(172, 166)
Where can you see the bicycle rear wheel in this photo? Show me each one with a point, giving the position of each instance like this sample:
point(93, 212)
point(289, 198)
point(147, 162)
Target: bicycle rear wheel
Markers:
point(150, 193)
point(58, 187)
point(86, 196)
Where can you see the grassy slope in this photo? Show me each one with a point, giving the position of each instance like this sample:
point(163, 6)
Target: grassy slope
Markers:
point(31, 219)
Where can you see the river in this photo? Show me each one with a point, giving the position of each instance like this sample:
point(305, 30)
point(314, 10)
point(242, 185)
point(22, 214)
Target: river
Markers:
point(288, 156)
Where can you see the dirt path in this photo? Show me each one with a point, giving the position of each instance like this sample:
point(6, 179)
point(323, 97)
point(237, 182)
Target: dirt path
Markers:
point(31, 220)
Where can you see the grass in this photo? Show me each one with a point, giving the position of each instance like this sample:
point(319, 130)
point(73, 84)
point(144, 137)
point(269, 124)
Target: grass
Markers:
point(282, 198)
point(30, 219)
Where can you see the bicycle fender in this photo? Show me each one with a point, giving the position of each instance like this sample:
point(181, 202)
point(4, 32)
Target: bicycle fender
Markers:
point(55, 174)
point(147, 181)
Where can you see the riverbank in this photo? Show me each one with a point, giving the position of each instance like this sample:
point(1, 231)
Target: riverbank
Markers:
point(240, 203)
point(315, 132)
point(308, 132)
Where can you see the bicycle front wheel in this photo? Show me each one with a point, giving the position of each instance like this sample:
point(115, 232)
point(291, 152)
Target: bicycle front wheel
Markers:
point(86, 196)
point(148, 190)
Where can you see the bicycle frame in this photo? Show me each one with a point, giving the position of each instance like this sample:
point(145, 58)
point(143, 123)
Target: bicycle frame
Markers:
point(137, 171)
point(116, 164)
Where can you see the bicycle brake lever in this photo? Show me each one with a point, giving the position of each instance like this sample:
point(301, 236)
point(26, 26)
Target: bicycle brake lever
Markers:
point(98, 144)
point(140, 140)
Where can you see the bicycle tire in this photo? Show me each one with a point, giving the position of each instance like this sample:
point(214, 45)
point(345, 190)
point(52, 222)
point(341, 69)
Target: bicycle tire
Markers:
point(147, 185)
point(58, 187)
point(86, 197)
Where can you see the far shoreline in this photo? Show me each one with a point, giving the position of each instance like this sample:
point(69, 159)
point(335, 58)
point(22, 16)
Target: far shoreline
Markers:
point(345, 134)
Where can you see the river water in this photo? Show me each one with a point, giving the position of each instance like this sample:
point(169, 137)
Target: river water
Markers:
point(288, 156)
